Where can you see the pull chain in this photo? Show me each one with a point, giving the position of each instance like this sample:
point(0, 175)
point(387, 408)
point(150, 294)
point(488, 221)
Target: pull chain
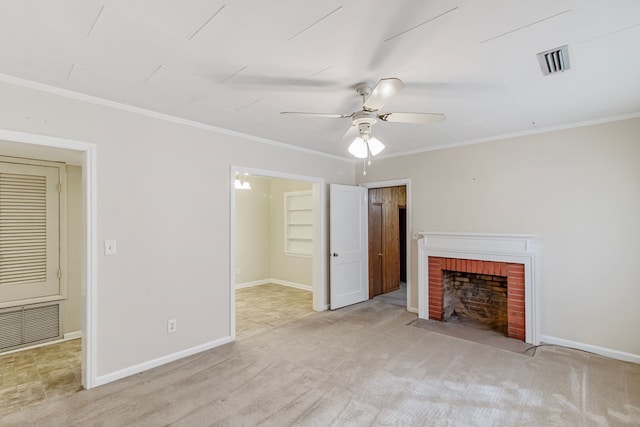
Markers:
point(367, 160)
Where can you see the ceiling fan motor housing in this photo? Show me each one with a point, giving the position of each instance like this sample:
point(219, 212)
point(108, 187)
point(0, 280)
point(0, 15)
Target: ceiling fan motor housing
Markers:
point(364, 120)
point(364, 129)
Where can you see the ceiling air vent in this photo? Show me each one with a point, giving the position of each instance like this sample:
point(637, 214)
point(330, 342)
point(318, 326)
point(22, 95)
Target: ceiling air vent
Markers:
point(554, 60)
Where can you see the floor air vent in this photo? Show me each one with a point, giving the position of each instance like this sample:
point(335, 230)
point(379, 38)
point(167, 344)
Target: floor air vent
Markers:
point(28, 325)
point(554, 60)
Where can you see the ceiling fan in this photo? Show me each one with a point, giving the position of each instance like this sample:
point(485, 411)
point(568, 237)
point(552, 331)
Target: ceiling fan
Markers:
point(365, 145)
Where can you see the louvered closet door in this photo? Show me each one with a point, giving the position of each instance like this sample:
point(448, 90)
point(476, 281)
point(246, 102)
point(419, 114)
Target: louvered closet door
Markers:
point(29, 232)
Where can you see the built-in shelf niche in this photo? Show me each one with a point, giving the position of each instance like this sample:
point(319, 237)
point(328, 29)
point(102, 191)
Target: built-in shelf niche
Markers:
point(298, 223)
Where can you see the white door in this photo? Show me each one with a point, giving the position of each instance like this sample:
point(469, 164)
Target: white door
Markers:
point(348, 243)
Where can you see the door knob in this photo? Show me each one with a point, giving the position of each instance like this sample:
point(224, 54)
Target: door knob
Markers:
point(380, 254)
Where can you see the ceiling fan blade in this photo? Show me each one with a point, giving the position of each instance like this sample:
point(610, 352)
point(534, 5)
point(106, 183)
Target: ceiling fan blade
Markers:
point(382, 93)
point(412, 117)
point(350, 134)
point(327, 115)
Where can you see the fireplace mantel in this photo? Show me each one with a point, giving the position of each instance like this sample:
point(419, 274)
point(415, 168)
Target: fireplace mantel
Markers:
point(512, 248)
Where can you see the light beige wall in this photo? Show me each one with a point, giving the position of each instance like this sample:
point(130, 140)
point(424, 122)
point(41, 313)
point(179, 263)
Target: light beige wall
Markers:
point(260, 234)
point(72, 306)
point(577, 189)
point(253, 231)
point(295, 269)
point(163, 193)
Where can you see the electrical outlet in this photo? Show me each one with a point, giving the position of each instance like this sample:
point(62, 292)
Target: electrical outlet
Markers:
point(172, 326)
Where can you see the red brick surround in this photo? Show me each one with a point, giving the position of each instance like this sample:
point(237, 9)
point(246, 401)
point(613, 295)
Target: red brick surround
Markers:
point(515, 287)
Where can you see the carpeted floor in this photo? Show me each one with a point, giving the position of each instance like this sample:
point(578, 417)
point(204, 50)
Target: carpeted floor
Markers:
point(359, 366)
point(32, 376)
point(397, 297)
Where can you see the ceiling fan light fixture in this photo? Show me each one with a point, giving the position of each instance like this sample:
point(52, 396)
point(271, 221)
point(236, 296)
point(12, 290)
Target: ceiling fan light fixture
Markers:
point(361, 147)
point(241, 182)
point(375, 146)
point(358, 148)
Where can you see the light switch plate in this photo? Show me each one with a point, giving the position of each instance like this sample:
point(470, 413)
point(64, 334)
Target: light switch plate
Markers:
point(110, 247)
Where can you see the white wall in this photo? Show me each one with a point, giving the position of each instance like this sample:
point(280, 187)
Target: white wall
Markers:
point(577, 189)
point(163, 193)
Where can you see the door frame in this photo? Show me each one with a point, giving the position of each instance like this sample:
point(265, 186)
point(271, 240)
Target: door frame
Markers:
point(65, 149)
point(319, 259)
point(407, 183)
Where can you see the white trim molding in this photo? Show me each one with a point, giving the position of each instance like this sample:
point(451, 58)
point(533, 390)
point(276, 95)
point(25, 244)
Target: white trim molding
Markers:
point(300, 286)
point(72, 335)
point(513, 248)
point(132, 370)
point(253, 283)
point(602, 351)
point(294, 285)
point(78, 96)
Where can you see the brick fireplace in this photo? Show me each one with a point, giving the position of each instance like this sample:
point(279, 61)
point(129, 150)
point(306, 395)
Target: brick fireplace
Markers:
point(514, 274)
point(494, 258)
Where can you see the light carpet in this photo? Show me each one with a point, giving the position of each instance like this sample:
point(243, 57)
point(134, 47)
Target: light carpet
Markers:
point(359, 366)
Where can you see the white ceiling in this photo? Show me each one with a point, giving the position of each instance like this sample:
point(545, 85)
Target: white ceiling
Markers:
point(237, 64)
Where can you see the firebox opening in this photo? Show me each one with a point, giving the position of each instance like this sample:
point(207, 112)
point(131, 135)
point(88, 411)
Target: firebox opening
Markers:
point(478, 300)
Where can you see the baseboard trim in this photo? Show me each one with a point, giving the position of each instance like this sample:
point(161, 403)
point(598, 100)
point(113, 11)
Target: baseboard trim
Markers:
point(292, 284)
point(275, 282)
point(132, 370)
point(252, 284)
point(72, 335)
point(602, 351)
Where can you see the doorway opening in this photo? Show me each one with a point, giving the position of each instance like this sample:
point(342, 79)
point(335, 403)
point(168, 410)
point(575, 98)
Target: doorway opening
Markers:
point(76, 329)
point(389, 250)
point(277, 228)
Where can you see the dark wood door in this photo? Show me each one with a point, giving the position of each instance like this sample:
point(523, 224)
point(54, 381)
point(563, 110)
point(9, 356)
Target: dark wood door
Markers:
point(375, 250)
point(387, 201)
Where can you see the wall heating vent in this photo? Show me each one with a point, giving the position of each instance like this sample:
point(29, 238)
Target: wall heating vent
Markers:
point(554, 60)
point(29, 324)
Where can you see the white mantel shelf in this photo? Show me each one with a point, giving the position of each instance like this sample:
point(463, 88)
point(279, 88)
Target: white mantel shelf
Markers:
point(514, 248)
